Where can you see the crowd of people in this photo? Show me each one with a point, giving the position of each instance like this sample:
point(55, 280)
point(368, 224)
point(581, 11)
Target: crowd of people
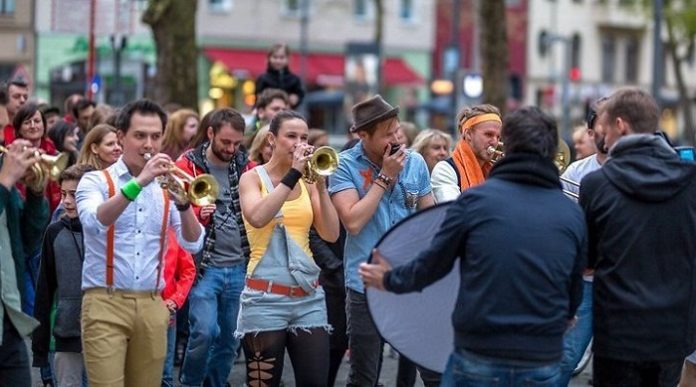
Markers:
point(117, 275)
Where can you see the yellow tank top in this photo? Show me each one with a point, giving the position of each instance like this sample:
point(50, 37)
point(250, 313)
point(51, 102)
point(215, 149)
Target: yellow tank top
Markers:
point(298, 217)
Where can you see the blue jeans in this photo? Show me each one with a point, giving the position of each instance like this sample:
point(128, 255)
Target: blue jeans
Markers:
point(466, 369)
point(577, 338)
point(168, 373)
point(213, 309)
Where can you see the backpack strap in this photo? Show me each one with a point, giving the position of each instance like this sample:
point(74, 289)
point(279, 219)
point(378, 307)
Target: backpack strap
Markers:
point(450, 161)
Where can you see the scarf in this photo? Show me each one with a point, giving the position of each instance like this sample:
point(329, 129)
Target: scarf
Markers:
point(470, 172)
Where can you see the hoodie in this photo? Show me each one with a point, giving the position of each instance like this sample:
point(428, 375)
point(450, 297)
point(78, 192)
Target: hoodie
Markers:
point(59, 283)
point(282, 79)
point(641, 218)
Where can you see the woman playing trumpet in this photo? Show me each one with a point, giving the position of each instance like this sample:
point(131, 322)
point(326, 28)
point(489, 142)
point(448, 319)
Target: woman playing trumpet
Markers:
point(282, 305)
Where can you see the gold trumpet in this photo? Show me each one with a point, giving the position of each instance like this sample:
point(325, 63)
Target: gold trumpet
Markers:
point(496, 152)
point(324, 162)
point(562, 159)
point(47, 168)
point(200, 190)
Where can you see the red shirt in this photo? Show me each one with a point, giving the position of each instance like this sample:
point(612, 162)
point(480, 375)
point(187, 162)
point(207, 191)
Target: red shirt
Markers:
point(9, 133)
point(179, 271)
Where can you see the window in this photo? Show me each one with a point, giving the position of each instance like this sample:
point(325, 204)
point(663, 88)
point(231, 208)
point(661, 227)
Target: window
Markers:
point(632, 47)
point(293, 7)
point(362, 9)
point(406, 10)
point(7, 7)
point(608, 58)
point(219, 5)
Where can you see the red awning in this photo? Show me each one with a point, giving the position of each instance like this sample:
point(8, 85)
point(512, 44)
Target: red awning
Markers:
point(323, 69)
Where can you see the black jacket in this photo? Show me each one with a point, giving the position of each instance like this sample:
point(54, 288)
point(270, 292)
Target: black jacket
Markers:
point(283, 80)
point(641, 218)
point(522, 245)
point(59, 282)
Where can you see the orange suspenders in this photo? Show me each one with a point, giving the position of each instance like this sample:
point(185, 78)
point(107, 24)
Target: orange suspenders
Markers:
point(112, 229)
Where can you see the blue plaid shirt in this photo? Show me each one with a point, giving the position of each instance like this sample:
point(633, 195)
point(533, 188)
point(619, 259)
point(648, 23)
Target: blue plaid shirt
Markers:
point(356, 171)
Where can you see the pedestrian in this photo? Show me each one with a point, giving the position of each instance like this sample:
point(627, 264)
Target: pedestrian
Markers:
point(640, 211)
point(279, 76)
point(214, 298)
point(125, 215)
point(58, 289)
point(378, 183)
point(101, 147)
point(182, 127)
point(19, 221)
point(282, 305)
point(520, 274)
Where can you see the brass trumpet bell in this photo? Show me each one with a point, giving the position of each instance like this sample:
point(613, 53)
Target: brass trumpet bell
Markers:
point(562, 159)
point(324, 162)
point(200, 190)
point(47, 168)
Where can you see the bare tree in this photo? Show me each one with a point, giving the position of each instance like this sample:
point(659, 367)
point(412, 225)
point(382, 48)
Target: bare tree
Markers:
point(494, 52)
point(173, 24)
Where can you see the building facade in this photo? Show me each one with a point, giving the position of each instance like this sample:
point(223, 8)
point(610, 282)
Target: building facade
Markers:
point(607, 44)
point(16, 40)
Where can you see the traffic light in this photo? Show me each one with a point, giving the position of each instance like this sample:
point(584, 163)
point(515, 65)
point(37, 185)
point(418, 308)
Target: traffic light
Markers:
point(575, 74)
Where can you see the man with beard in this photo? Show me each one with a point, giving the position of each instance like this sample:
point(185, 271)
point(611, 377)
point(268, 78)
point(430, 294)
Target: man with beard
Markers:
point(214, 298)
point(471, 160)
point(578, 337)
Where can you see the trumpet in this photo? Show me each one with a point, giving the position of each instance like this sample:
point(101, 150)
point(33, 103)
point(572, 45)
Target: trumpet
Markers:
point(562, 159)
point(47, 168)
point(324, 162)
point(496, 152)
point(200, 190)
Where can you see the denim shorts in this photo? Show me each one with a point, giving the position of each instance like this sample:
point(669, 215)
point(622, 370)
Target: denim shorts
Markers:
point(261, 312)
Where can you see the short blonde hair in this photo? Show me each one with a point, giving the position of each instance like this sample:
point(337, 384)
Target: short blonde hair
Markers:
point(468, 112)
point(427, 136)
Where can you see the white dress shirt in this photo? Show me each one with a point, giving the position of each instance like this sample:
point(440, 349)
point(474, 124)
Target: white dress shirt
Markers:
point(136, 236)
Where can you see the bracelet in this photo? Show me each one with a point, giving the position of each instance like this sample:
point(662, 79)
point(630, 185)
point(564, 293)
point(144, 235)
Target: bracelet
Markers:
point(380, 185)
point(384, 178)
point(291, 178)
point(183, 207)
point(131, 190)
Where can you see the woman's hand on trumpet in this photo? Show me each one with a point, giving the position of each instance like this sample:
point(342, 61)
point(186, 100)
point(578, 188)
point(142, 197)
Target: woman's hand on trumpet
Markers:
point(158, 165)
point(301, 154)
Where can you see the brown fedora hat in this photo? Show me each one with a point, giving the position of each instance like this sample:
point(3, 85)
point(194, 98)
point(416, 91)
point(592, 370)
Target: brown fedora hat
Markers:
point(372, 111)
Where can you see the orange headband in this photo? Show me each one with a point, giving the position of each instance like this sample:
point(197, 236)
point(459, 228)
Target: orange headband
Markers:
point(469, 123)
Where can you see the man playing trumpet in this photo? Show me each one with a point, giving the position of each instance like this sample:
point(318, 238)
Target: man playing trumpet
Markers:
point(125, 217)
point(473, 157)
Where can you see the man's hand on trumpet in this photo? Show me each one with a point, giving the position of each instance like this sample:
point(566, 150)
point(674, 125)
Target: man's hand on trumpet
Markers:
point(157, 165)
point(207, 211)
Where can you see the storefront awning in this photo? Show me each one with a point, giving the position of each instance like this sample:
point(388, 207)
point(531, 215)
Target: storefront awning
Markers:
point(322, 69)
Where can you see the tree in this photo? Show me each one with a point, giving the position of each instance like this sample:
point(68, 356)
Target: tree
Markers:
point(173, 24)
point(379, 37)
point(680, 26)
point(494, 52)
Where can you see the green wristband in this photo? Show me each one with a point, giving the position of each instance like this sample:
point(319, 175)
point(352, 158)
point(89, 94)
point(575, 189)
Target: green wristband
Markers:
point(131, 190)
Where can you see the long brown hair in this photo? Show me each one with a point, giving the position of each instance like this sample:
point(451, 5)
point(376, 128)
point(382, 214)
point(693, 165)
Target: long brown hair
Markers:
point(173, 142)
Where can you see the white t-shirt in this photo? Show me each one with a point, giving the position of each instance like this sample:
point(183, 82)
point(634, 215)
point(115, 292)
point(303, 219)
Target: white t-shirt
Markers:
point(577, 170)
point(444, 181)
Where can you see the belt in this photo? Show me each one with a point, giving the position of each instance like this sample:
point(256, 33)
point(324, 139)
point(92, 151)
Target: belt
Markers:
point(275, 288)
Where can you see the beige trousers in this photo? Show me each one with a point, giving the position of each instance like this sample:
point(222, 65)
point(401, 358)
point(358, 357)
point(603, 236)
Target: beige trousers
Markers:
point(124, 338)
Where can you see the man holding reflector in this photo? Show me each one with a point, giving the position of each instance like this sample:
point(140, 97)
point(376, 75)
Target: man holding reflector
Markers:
point(522, 245)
